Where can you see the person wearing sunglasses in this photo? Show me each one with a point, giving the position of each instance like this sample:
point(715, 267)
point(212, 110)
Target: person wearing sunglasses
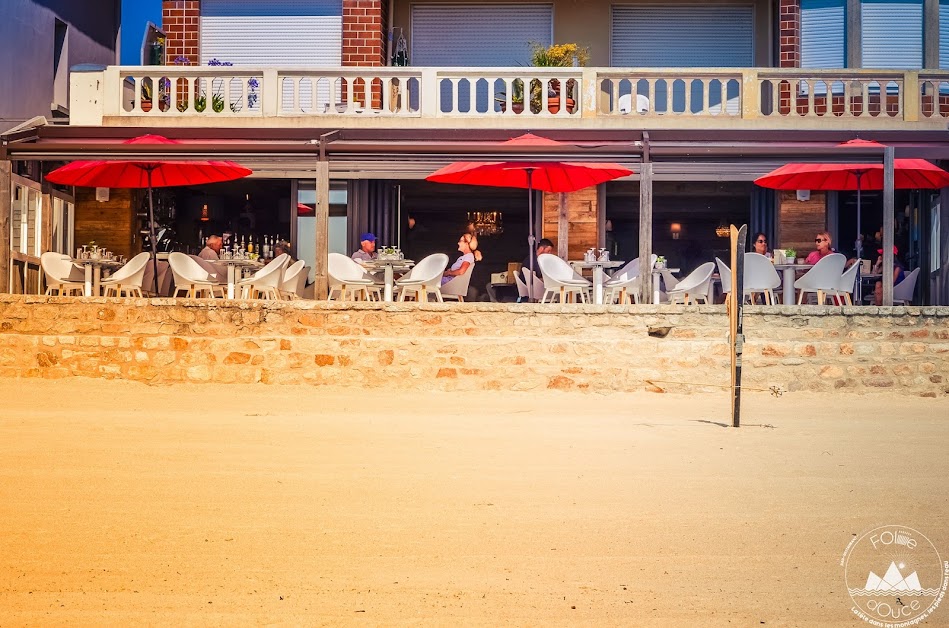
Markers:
point(760, 245)
point(824, 248)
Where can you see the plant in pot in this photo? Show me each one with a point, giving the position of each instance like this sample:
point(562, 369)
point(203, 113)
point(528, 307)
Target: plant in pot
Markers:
point(554, 56)
point(789, 255)
point(660, 261)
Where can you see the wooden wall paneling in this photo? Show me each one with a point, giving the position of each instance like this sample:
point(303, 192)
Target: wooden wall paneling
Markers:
point(799, 221)
point(582, 220)
point(111, 224)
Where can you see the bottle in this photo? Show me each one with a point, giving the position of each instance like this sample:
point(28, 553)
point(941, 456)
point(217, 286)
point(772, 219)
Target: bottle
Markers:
point(250, 244)
point(266, 248)
point(243, 244)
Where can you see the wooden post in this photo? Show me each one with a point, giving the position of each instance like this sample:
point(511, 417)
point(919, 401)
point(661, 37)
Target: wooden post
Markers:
point(645, 230)
point(563, 227)
point(6, 208)
point(322, 228)
point(888, 187)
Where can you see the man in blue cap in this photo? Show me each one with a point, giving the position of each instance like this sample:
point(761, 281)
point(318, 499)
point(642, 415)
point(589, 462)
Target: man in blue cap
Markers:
point(367, 248)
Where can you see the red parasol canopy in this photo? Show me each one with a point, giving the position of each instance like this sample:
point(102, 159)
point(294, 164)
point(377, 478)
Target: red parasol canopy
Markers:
point(908, 174)
point(549, 176)
point(146, 174)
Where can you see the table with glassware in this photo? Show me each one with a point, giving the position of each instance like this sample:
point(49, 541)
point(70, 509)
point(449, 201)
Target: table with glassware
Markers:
point(599, 274)
point(92, 264)
point(233, 264)
point(789, 272)
point(388, 265)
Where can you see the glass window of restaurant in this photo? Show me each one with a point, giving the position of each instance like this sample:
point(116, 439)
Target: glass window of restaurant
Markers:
point(26, 219)
point(303, 228)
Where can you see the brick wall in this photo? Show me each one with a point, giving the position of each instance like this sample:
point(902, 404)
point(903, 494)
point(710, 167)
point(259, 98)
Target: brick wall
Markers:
point(364, 32)
point(473, 346)
point(179, 20)
point(790, 27)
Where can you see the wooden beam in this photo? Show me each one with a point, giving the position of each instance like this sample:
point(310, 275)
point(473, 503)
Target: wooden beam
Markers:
point(888, 219)
point(322, 228)
point(645, 230)
point(563, 227)
point(6, 208)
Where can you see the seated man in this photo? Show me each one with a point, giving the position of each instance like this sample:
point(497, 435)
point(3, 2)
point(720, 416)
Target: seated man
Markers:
point(212, 248)
point(367, 248)
point(544, 246)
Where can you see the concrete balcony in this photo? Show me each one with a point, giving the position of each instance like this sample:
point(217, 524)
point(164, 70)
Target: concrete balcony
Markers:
point(492, 98)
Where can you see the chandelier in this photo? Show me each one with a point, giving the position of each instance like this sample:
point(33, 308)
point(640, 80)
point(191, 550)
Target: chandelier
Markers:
point(723, 230)
point(486, 223)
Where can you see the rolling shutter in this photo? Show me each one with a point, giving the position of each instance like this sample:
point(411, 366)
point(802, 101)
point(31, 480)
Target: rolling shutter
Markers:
point(823, 42)
point(892, 33)
point(666, 36)
point(944, 34)
point(285, 33)
point(489, 35)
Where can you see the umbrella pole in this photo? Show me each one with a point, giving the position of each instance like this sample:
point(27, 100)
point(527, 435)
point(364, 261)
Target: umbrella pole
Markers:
point(151, 230)
point(859, 245)
point(531, 249)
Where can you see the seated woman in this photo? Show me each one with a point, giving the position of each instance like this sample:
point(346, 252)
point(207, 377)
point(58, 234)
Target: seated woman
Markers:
point(760, 245)
point(468, 245)
point(824, 248)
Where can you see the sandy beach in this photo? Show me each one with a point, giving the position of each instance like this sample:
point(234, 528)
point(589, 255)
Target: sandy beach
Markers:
point(122, 504)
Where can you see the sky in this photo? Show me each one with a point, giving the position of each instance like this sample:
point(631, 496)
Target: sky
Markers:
point(135, 14)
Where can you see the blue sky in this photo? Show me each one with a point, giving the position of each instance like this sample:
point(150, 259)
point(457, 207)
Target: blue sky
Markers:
point(135, 14)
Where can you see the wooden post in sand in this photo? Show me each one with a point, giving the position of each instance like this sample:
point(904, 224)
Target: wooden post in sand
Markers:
point(735, 303)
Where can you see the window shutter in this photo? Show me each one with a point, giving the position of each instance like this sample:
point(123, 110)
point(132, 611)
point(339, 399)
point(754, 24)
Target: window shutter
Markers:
point(944, 34)
point(892, 33)
point(823, 39)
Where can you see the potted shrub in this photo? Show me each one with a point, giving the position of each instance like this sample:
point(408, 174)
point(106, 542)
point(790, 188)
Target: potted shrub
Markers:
point(556, 56)
point(789, 255)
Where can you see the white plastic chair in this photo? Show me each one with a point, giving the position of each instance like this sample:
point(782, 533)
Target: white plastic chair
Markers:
point(904, 290)
point(266, 281)
point(847, 284)
point(625, 103)
point(535, 286)
point(693, 287)
point(219, 273)
point(294, 278)
point(457, 288)
point(347, 277)
point(626, 282)
point(522, 290)
point(128, 279)
point(561, 280)
point(424, 278)
point(725, 274)
point(823, 279)
point(190, 277)
point(760, 277)
point(62, 275)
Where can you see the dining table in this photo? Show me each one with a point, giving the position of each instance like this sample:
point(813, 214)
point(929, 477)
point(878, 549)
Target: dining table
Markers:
point(233, 264)
point(789, 272)
point(599, 274)
point(388, 266)
point(93, 269)
point(656, 276)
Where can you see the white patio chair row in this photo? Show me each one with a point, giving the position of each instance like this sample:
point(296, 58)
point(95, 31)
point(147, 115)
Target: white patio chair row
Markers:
point(760, 277)
point(347, 279)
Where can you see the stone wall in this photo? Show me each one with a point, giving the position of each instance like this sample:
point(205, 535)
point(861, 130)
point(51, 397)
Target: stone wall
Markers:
point(473, 346)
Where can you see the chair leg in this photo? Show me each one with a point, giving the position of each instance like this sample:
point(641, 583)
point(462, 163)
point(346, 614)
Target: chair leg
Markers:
point(800, 297)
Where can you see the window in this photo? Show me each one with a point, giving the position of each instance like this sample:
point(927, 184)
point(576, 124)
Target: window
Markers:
point(26, 220)
point(63, 216)
point(892, 33)
point(823, 34)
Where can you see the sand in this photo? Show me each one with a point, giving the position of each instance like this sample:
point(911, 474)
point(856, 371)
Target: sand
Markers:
point(122, 504)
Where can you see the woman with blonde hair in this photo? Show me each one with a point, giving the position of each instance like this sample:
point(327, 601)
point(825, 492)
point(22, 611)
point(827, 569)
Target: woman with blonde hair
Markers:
point(468, 246)
point(824, 247)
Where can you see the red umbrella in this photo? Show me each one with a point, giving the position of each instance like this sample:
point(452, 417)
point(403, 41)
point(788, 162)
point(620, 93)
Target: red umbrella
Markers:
point(548, 176)
point(146, 174)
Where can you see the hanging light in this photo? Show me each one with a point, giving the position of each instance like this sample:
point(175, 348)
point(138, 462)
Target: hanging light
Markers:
point(204, 213)
point(723, 230)
point(486, 223)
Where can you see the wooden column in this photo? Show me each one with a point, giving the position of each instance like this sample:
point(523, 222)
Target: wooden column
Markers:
point(6, 208)
point(645, 230)
point(322, 215)
point(570, 221)
point(563, 227)
point(888, 187)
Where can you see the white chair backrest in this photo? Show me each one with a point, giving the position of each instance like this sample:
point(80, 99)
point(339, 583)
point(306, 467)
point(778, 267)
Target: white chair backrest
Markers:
point(133, 272)
point(521, 286)
point(185, 270)
point(625, 103)
point(342, 268)
point(208, 266)
point(726, 275)
point(903, 291)
point(458, 285)
point(697, 279)
point(555, 268)
point(429, 269)
point(280, 263)
point(59, 267)
point(291, 276)
point(825, 275)
point(759, 273)
point(668, 279)
point(848, 280)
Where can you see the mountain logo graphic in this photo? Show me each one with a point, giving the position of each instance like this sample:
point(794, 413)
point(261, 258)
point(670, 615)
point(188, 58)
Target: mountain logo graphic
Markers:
point(893, 581)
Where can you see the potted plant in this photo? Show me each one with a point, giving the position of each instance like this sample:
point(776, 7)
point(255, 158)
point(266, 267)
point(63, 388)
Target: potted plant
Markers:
point(554, 56)
point(660, 261)
point(789, 255)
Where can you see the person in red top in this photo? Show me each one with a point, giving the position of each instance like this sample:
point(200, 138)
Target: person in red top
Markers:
point(824, 248)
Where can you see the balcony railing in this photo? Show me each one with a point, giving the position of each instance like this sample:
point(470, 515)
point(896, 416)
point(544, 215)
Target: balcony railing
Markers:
point(492, 97)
